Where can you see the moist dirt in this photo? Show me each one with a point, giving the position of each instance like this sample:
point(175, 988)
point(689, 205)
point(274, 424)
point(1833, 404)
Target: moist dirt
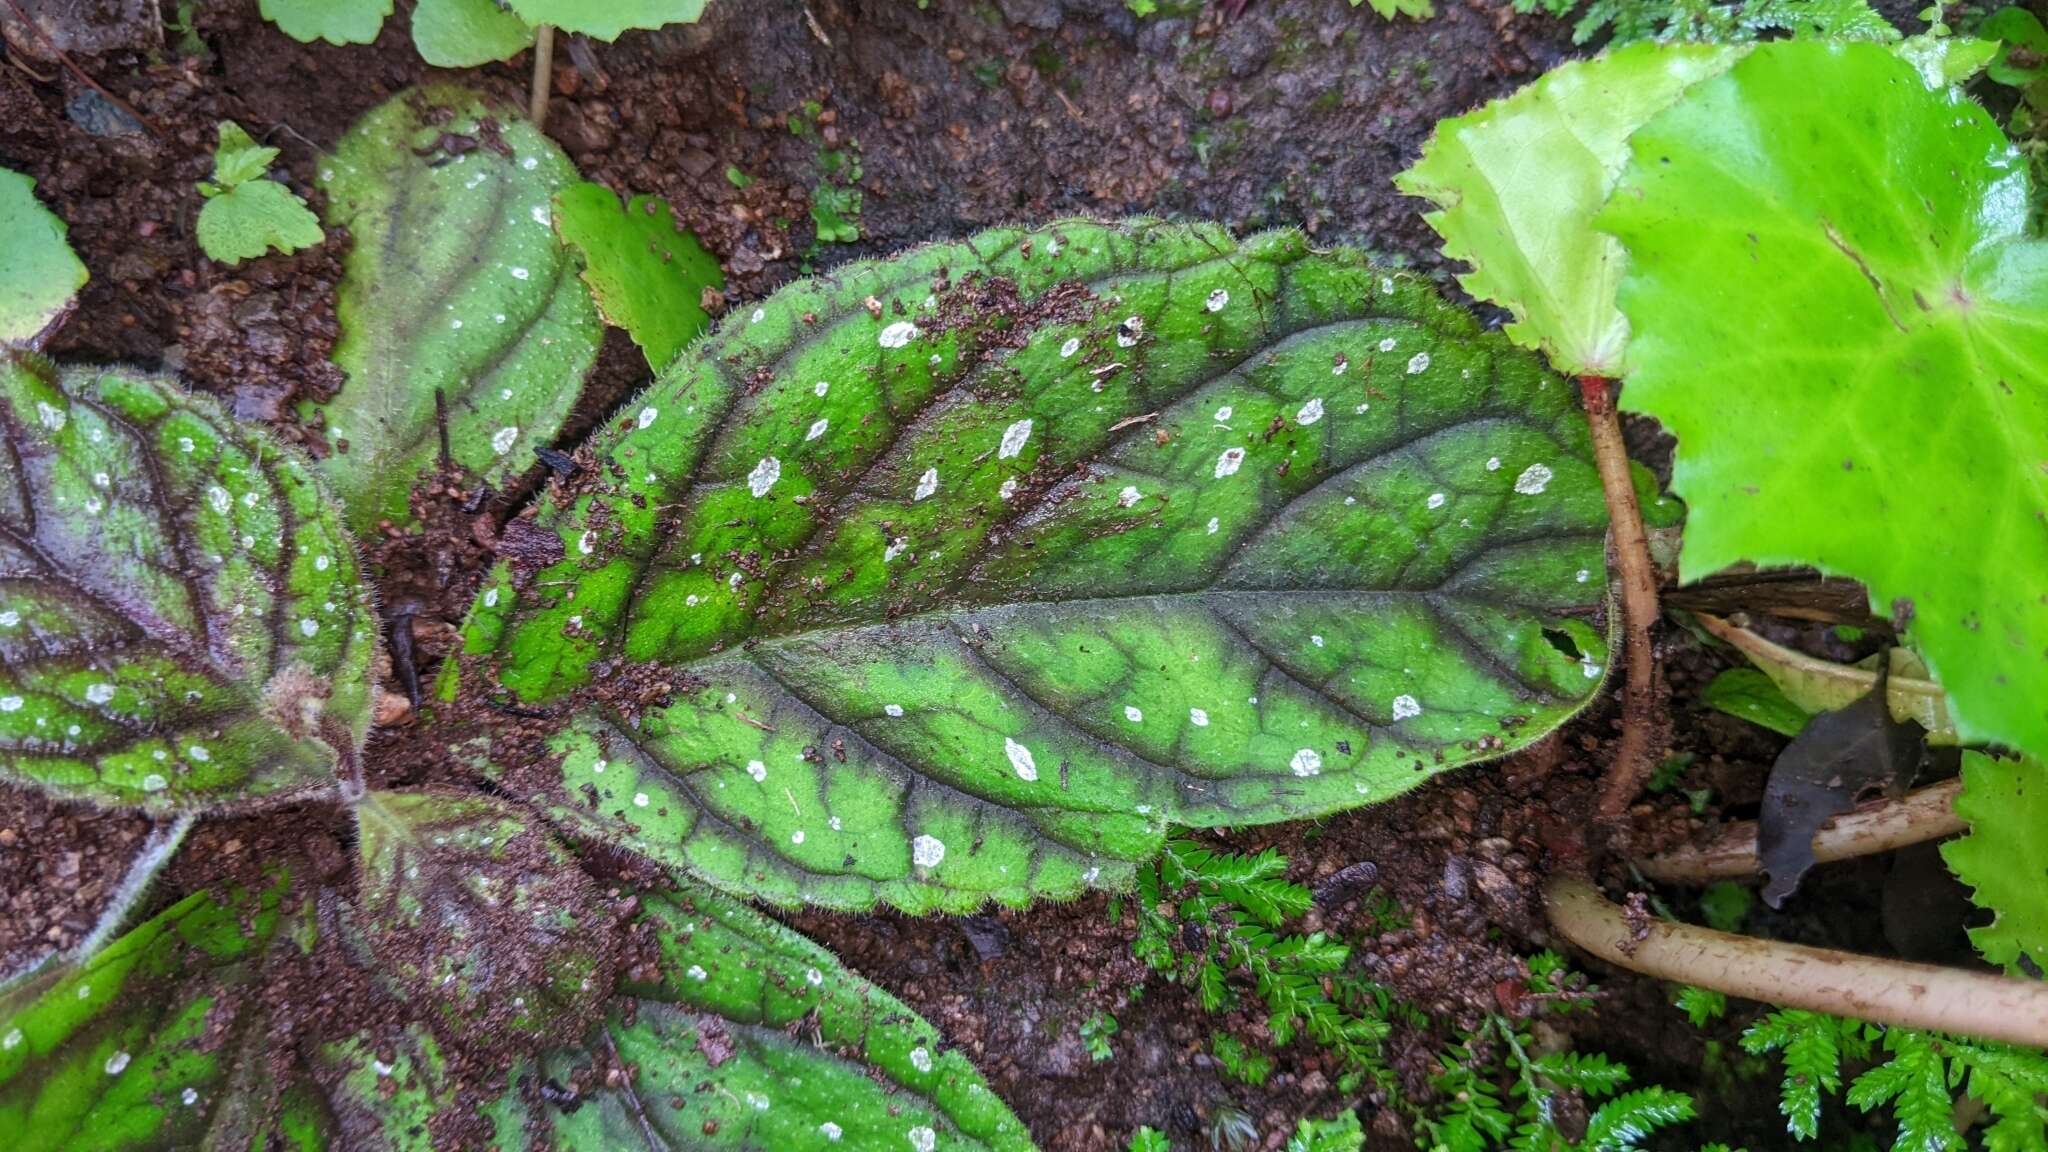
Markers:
point(966, 115)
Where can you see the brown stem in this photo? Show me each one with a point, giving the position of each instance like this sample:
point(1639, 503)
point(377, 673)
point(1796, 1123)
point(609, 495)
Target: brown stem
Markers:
point(72, 66)
point(1882, 991)
point(543, 75)
point(1878, 826)
point(1631, 766)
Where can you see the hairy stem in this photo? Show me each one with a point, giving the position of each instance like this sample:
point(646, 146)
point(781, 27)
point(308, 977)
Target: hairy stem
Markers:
point(1631, 766)
point(156, 850)
point(1882, 991)
point(543, 75)
point(1877, 826)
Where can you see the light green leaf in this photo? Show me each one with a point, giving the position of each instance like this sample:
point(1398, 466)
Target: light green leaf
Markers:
point(968, 572)
point(606, 19)
point(767, 1041)
point(466, 33)
point(1838, 312)
point(40, 275)
point(2015, 27)
point(1813, 685)
point(238, 158)
point(335, 21)
point(1755, 697)
point(182, 623)
point(457, 287)
point(648, 274)
point(1388, 9)
point(1517, 184)
point(468, 908)
point(157, 1041)
point(2005, 857)
point(248, 220)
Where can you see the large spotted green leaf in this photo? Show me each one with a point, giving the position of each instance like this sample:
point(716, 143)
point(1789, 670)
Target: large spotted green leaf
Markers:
point(181, 620)
point(158, 1041)
point(460, 309)
point(755, 1038)
point(961, 575)
point(1839, 309)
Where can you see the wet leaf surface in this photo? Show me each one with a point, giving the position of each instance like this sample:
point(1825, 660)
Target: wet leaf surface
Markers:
point(180, 615)
point(959, 576)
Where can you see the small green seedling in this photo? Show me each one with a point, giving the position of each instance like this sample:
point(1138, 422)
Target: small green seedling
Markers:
point(247, 213)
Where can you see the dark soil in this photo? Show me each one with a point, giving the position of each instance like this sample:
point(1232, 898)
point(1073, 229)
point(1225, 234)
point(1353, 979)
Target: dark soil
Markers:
point(966, 115)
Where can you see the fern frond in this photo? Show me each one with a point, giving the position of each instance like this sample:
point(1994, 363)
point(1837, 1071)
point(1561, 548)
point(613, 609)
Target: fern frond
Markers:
point(1622, 1123)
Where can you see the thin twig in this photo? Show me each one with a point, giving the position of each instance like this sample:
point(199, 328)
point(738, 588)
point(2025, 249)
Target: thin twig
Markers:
point(1882, 991)
point(1631, 766)
point(543, 75)
point(1877, 826)
point(64, 58)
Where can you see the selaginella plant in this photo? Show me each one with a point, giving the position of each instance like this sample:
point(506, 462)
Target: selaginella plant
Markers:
point(950, 578)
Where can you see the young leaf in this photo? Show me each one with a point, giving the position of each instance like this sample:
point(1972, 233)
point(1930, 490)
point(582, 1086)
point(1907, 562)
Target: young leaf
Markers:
point(41, 275)
point(971, 570)
point(2005, 857)
point(1846, 329)
point(181, 619)
point(1814, 685)
point(456, 288)
point(466, 906)
point(467, 33)
point(335, 21)
point(1755, 697)
point(648, 275)
point(238, 158)
point(754, 1037)
point(1517, 184)
point(146, 1045)
point(244, 222)
point(606, 19)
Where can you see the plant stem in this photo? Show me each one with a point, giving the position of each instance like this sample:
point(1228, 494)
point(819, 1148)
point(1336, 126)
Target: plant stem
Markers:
point(1631, 766)
point(1882, 991)
point(1879, 826)
point(543, 75)
point(163, 840)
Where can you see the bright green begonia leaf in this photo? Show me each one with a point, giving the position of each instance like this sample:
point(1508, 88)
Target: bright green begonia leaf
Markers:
point(246, 221)
point(156, 1042)
point(466, 33)
point(968, 572)
point(1517, 184)
point(754, 1037)
point(335, 21)
point(647, 273)
point(182, 623)
point(39, 274)
point(1837, 310)
point(456, 287)
point(606, 19)
point(2004, 857)
point(470, 908)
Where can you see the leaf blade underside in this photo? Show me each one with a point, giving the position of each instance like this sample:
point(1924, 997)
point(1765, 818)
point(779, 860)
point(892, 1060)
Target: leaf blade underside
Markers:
point(967, 592)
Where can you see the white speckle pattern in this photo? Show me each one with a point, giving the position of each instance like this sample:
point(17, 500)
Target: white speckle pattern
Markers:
point(926, 484)
point(520, 274)
point(1224, 413)
point(9, 619)
point(821, 387)
point(321, 563)
point(117, 1063)
point(697, 973)
point(892, 709)
point(757, 770)
point(927, 851)
point(1310, 412)
point(491, 598)
point(1020, 759)
point(503, 439)
point(597, 767)
point(1134, 715)
point(796, 837)
point(1228, 463)
point(1214, 525)
point(10, 703)
point(1306, 762)
point(52, 418)
point(190, 1096)
point(1387, 345)
point(831, 1130)
point(1129, 496)
point(99, 693)
point(1584, 575)
point(921, 1059)
point(1418, 363)
point(1533, 480)
point(540, 214)
point(639, 799)
point(647, 415)
point(764, 476)
point(923, 1139)
point(218, 498)
point(818, 427)
point(1316, 640)
point(1068, 349)
point(1406, 707)
point(1007, 489)
point(1217, 300)
point(1587, 666)
point(1014, 438)
point(815, 977)
point(11, 1041)
point(894, 548)
point(1493, 463)
point(898, 334)
point(1436, 500)
point(1130, 331)
point(759, 315)
point(1198, 718)
point(154, 782)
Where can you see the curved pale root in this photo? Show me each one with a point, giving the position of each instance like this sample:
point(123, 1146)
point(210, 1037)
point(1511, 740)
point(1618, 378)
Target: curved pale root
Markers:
point(1891, 992)
point(1877, 826)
